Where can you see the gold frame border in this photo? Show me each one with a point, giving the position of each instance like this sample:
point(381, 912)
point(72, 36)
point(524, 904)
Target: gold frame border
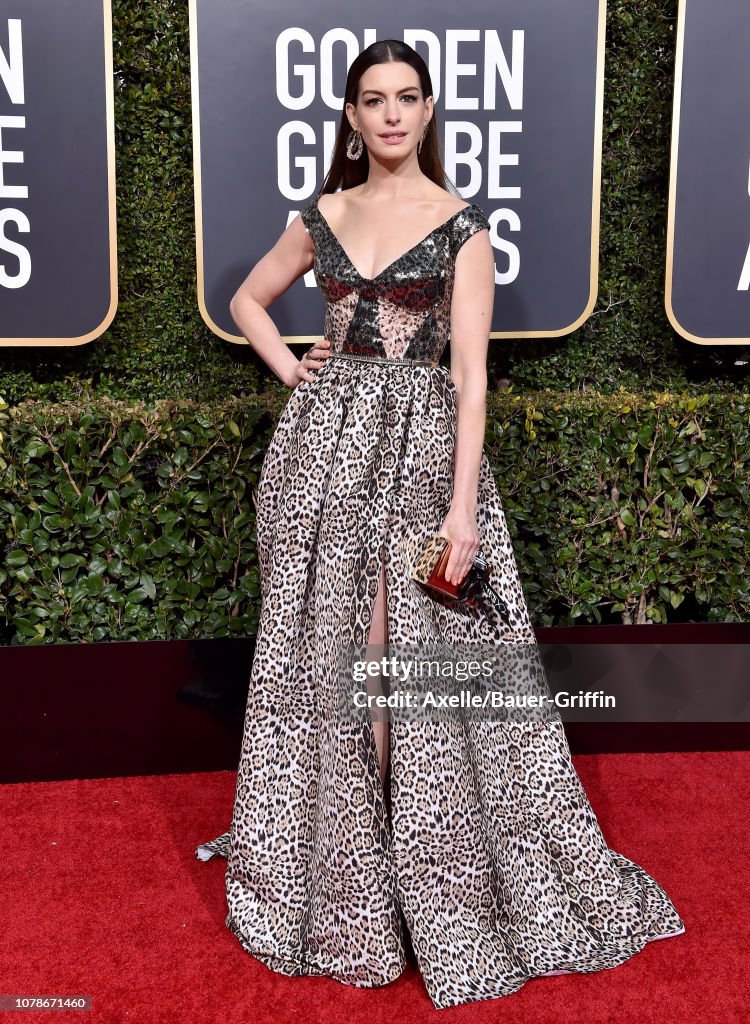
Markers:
point(307, 338)
point(676, 110)
point(109, 101)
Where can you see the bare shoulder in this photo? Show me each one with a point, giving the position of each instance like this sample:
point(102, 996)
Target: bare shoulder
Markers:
point(327, 200)
point(331, 202)
point(445, 202)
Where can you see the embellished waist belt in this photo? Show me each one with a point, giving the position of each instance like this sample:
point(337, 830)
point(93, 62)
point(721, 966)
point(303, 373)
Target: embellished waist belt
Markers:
point(383, 359)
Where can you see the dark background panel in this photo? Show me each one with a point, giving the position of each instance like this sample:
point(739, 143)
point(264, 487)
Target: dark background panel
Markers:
point(712, 204)
point(114, 709)
point(244, 210)
point(65, 166)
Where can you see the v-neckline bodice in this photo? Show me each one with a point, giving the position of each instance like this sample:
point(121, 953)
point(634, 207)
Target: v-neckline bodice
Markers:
point(393, 263)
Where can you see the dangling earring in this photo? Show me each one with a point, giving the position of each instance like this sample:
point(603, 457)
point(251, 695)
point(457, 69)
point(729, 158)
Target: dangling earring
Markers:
point(424, 132)
point(354, 144)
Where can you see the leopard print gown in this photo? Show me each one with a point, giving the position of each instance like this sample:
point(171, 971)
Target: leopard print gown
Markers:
point(488, 850)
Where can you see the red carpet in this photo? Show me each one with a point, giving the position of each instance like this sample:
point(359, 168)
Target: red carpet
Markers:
point(102, 896)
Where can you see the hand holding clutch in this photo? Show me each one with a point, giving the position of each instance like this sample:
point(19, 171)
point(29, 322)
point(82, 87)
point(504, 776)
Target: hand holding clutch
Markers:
point(429, 572)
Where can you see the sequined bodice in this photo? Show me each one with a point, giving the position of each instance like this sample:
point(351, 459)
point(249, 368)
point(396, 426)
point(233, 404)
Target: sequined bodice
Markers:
point(403, 312)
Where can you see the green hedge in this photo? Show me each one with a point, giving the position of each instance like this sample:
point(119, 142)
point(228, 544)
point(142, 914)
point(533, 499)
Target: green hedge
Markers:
point(627, 508)
point(128, 521)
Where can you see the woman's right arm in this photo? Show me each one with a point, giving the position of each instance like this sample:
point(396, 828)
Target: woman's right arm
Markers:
point(290, 258)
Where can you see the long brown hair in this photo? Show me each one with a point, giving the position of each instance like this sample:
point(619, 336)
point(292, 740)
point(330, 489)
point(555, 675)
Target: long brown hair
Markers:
point(347, 173)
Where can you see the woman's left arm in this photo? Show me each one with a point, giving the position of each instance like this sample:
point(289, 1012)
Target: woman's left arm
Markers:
point(471, 320)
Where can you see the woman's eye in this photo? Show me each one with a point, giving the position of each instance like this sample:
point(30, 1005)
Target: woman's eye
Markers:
point(375, 99)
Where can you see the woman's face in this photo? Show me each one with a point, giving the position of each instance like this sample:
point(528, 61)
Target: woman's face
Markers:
point(390, 106)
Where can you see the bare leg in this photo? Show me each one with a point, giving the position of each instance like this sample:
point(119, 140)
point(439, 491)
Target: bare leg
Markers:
point(378, 636)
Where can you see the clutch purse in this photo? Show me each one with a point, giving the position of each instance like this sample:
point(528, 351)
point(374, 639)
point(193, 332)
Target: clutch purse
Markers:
point(429, 572)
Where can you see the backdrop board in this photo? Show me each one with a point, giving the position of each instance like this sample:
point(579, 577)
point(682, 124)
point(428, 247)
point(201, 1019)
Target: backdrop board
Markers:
point(707, 286)
point(58, 246)
point(518, 91)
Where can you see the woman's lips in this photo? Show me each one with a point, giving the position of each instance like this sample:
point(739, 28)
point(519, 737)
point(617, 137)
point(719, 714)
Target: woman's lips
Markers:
point(393, 139)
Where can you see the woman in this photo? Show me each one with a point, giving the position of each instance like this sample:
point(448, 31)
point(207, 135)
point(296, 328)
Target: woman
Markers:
point(475, 835)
